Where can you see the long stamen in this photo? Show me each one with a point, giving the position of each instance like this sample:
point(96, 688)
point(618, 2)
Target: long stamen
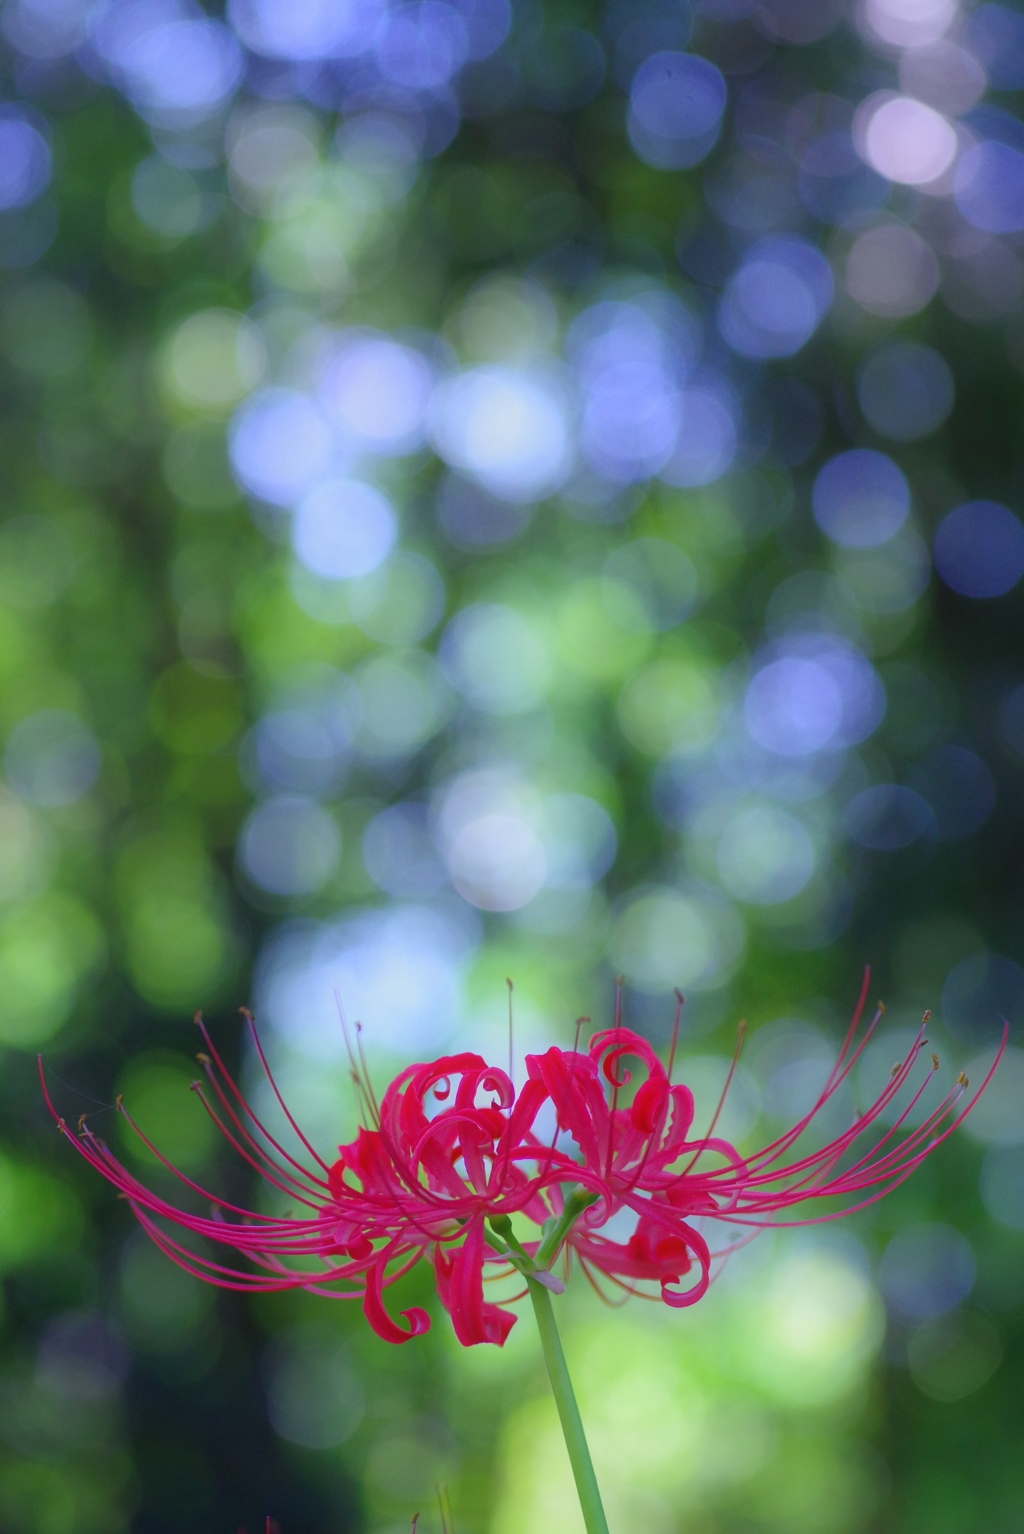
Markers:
point(276, 1090)
point(364, 1095)
point(680, 1001)
point(289, 1187)
point(304, 1179)
point(367, 1081)
point(619, 982)
point(741, 1033)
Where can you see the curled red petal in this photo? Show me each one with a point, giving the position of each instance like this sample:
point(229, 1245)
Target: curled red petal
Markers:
point(474, 1320)
point(616, 1042)
point(565, 1079)
point(649, 1104)
point(376, 1314)
point(680, 1300)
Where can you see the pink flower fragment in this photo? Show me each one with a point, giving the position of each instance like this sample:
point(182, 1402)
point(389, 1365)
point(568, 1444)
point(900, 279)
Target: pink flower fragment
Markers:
point(452, 1153)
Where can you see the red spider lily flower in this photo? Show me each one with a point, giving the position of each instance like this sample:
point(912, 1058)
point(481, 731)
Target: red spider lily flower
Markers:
point(407, 1187)
point(641, 1160)
point(441, 1170)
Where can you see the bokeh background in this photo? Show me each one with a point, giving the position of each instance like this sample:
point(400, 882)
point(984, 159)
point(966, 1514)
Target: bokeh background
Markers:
point(517, 490)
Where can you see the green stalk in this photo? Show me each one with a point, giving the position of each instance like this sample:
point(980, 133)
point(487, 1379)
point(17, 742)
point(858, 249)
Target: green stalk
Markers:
point(569, 1413)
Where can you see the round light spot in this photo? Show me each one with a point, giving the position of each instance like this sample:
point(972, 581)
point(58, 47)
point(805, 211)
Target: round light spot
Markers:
point(495, 658)
point(421, 46)
point(887, 817)
point(377, 392)
point(909, 142)
point(980, 993)
point(670, 705)
point(289, 846)
point(630, 358)
point(889, 578)
point(905, 390)
point(989, 188)
point(399, 603)
point(273, 154)
point(706, 439)
point(1002, 1184)
point(51, 758)
point(398, 969)
point(860, 498)
point(43, 30)
point(661, 575)
point(168, 200)
point(925, 1271)
point(630, 421)
point(835, 184)
point(508, 429)
point(25, 162)
point(979, 549)
point(304, 29)
point(344, 528)
point(765, 856)
point(155, 1086)
point(47, 948)
point(1011, 720)
point(944, 75)
point(403, 700)
point(399, 855)
point(215, 358)
point(664, 938)
point(909, 23)
point(175, 72)
point(995, 36)
point(497, 862)
point(472, 519)
point(280, 446)
point(820, 694)
point(314, 1397)
point(676, 103)
point(793, 707)
point(303, 744)
point(776, 300)
point(960, 789)
point(998, 1116)
point(579, 841)
point(891, 271)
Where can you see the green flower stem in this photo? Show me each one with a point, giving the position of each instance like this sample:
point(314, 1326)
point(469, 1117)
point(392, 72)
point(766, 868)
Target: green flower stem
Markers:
point(569, 1413)
point(555, 1232)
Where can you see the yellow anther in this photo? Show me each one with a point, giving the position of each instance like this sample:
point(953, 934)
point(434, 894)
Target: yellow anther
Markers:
point(962, 1080)
point(935, 1062)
